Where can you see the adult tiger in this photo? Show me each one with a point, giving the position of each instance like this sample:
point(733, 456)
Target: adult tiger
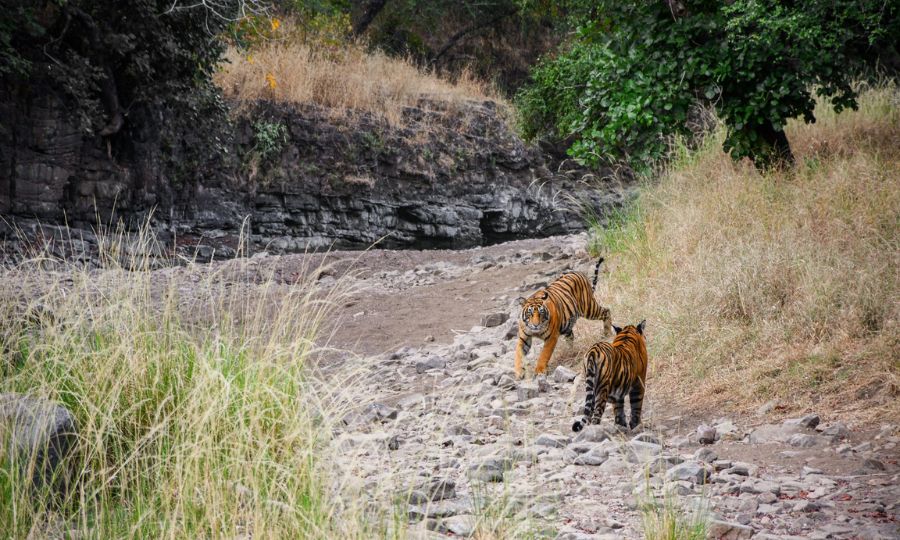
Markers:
point(612, 370)
point(552, 311)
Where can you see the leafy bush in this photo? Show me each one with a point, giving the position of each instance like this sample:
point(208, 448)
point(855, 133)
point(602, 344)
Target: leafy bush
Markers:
point(270, 138)
point(634, 70)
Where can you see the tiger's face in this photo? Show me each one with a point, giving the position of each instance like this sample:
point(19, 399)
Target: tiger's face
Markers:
point(536, 314)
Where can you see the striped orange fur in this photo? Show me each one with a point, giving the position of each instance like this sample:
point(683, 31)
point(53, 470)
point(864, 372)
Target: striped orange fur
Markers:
point(613, 370)
point(552, 311)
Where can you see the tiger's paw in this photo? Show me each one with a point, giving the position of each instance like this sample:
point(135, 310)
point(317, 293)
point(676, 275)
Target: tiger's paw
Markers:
point(520, 374)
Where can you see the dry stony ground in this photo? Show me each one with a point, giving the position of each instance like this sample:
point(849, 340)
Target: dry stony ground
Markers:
point(439, 423)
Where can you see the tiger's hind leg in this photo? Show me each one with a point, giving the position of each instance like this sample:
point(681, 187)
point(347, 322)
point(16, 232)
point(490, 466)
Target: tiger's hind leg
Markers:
point(618, 403)
point(596, 312)
point(606, 317)
point(636, 400)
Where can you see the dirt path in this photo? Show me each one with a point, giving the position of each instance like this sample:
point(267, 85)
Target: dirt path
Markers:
point(443, 423)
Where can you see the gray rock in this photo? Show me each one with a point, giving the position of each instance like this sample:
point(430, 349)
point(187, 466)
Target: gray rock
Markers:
point(726, 430)
point(661, 464)
point(721, 464)
point(690, 471)
point(808, 421)
point(873, 464)
point(706, 434)
point(552, 440)
point(490, 469)
point(803, 440)
point(563, 375)
point(837, 430)
point(393, 443)
point(726, 530)
point(526, 391)
point(592, 457)
point(640, 451)
point(506, 382)
point(460, 525)
point(771, 433)
point(350, 441)
point(40, 432)
point(411, 401)
point(432, 362)
point(706, 455)
point(494, 319)
point(439, 509)
point(740, 469)
point(543, 384)
point(382, 411)
point(805, 506)
point(646, 436)
point(437, 489)
point(592, 433)
point(767, 407)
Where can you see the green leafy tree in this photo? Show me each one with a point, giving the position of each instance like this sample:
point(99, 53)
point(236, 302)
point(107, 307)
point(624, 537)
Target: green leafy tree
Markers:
point(110, 57)
point(633, 71)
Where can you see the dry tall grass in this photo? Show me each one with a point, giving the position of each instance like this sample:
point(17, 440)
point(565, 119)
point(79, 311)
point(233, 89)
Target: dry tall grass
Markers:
point(197, 414)
point(349, 78)
point(781, 285)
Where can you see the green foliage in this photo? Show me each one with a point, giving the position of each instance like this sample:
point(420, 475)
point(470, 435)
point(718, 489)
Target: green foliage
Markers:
point(627, 81)
point(270, 138)
point(111, 58)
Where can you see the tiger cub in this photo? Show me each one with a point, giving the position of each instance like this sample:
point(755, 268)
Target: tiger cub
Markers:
point(552, 311)
point(612, 371)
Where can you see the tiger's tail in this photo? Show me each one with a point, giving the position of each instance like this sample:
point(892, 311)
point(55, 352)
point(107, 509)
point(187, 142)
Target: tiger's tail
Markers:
point(597, 271)
point(591, 370)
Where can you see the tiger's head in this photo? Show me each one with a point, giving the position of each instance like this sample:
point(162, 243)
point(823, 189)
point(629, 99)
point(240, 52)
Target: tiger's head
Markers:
point(631, 328)
point(536, 313)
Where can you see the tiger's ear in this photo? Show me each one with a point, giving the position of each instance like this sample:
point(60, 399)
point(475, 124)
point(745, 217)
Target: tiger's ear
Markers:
point(618, 329)
point(545, 295)
point(640, 327)
point(520, 301)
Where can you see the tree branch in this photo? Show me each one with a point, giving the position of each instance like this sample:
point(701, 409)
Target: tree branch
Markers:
point(457, 37)
point(373, 8)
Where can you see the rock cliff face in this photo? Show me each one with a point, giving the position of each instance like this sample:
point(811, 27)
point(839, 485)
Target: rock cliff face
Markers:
point(291, 178)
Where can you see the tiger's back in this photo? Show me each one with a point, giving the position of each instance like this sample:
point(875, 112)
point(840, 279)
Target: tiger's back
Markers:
point(612, 371)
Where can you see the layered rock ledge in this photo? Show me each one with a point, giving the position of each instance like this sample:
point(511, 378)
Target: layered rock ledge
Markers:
point(291, 178)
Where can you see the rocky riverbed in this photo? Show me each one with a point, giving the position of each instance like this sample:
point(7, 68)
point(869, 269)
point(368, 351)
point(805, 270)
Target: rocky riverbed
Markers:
point(444, 427)
point(418, 357)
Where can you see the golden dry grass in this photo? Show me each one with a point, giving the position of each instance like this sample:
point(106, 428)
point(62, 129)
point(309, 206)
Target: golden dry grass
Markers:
point(349, 78)
point(780, 285)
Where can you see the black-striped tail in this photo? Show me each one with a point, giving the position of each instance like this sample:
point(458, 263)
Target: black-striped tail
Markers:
point(590, 369)
point(597, 271)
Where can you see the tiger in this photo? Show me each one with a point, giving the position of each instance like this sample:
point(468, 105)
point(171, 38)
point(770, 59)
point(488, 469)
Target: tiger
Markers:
point(552, 311)
point(612, 370)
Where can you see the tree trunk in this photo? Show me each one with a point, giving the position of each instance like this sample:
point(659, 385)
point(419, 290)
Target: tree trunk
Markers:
point(777, 148)
point(372, 9)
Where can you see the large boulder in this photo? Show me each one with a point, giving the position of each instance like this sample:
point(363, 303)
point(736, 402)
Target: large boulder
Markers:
point(40, 434)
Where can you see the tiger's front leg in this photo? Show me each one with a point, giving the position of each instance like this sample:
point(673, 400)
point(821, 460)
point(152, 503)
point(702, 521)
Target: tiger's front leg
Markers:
point(522, 348)
point(546, 353)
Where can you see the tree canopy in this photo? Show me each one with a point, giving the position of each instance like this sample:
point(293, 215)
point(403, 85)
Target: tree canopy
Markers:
point(631, 74)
